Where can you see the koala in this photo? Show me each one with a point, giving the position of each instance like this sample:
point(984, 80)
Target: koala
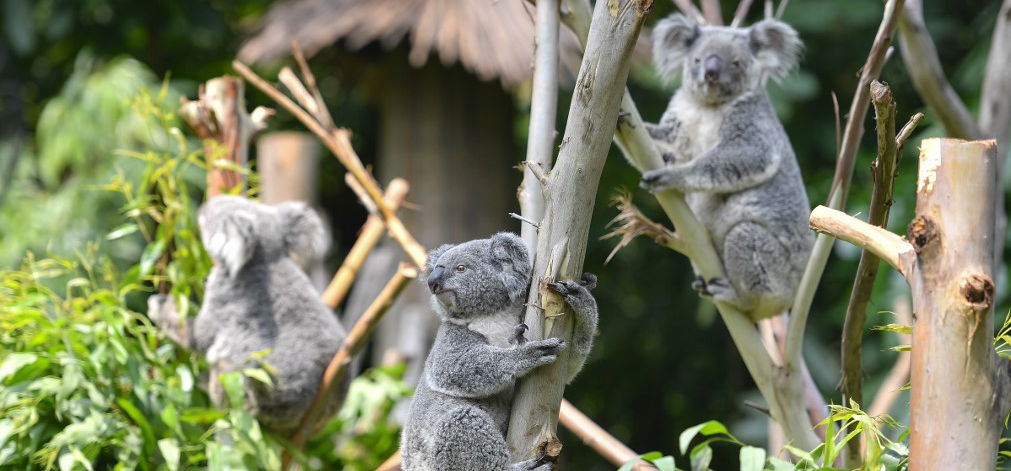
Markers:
point(257, 298)
point(726, 150)
point(460, 411)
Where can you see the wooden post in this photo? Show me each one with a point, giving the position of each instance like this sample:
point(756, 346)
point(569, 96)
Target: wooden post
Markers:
point(959, 396)
point(219, 117)
point(569, 192)
point(288, 163)
point(954, 423)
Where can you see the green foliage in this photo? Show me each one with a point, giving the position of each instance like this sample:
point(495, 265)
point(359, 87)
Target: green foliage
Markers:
point(51, 204)
point(881, 454)
point(88, 382)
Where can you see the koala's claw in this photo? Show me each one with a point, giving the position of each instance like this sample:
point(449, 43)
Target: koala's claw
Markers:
point(518, 338)
point(699, 284)
point(653, 180)
point(718, 288)
point(565, 287)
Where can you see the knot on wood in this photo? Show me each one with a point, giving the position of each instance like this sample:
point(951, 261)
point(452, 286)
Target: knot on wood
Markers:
point(644, 6)
point(921, 233)
point(549, 450)
point(978, 291)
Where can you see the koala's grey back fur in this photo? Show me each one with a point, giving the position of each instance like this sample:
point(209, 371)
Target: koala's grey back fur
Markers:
point(258, 298)
point(460, 411)
point(729, 153)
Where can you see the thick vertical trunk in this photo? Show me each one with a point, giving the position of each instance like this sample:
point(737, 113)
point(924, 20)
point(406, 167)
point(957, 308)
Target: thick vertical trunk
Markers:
point(569, 193)
point(954, 424)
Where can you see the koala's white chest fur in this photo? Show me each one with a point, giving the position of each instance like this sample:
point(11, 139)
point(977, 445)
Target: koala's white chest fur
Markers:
point(699, 127)
point(497, 328)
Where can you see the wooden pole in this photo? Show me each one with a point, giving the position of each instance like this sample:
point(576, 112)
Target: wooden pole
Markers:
point(958, 398)
point(954, 424)
point(569, 192)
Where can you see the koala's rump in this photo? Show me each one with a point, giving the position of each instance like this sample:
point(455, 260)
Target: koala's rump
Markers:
point(433, 413)
point(276, 308)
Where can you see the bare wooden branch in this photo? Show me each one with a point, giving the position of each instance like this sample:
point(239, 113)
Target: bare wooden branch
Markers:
point(886, 245)
point(711, 11)
point(370, 234)
point(995, 111)
point(782, 391)
point(597, 438)
point(883, 170)
point(782, 8)
point(858, 108)
point(907, 130)
point(219, 118)
point(356, 339)
point(841, 181)
point(690, 10)
point(741, 13)
point(541, 131)
point(338, 141)
point(631, 223)
point(392, 463)
point(955, 416)
point(572, 187)
point(920, 58)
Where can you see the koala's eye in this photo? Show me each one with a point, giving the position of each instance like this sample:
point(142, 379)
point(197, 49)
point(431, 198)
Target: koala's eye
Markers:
point(461, 268)
point(697, 60)
point(736, 63)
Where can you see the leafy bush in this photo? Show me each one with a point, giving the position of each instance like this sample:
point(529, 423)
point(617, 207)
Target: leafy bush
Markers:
point(88, 382)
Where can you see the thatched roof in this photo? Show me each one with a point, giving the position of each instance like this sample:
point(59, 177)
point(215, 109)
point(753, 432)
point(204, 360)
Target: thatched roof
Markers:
point(493, 39)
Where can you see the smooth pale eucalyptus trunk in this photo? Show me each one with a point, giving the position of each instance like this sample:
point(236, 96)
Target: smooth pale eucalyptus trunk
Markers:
point(570, 190)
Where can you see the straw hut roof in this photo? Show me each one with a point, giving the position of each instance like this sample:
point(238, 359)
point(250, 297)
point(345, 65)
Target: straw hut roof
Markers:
point(493, 39)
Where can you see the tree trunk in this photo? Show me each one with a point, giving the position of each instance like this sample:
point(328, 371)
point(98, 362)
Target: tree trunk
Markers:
point(570, 190)
point(955, 423)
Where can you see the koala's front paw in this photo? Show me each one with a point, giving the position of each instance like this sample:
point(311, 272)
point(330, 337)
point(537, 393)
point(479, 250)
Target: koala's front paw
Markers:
point(656, 180)
point(540, 352)
point(573, 291)
point(720, 289)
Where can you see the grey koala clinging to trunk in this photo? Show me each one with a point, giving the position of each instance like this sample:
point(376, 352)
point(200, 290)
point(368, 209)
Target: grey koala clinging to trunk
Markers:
point(460, 412)
point(257, 298)
point(727, 151)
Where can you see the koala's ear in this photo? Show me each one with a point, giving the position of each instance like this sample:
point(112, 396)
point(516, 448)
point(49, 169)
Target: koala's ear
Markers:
point(509, 251)
point(776, 46)
point(303, 232)
point(673, 37)
point(231, 241)
point(433, 258)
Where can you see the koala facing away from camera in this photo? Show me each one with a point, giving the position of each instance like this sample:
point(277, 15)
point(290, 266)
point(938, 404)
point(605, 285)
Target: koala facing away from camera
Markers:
point(257, 298)
point(460, 412)
point(727, 151)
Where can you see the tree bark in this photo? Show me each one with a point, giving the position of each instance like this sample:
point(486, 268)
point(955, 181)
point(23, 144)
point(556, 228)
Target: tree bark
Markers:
point(954, 423)
point(543, 108)
point(570, 190)
point(958, 400)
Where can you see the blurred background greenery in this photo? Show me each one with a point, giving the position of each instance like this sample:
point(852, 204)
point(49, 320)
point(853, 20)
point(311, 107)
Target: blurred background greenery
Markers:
point(71, 70)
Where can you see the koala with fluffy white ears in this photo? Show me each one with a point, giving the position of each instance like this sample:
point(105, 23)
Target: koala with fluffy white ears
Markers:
point(727, 151)
point(460, 413)
point(257, 298)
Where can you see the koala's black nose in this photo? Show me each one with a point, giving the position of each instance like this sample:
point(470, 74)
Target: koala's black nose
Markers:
point(713, 67)
point(435, 279)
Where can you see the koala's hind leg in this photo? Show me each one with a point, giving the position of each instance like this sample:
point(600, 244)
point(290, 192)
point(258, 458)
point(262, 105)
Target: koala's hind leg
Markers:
point(467, 439)
point(759, 269)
